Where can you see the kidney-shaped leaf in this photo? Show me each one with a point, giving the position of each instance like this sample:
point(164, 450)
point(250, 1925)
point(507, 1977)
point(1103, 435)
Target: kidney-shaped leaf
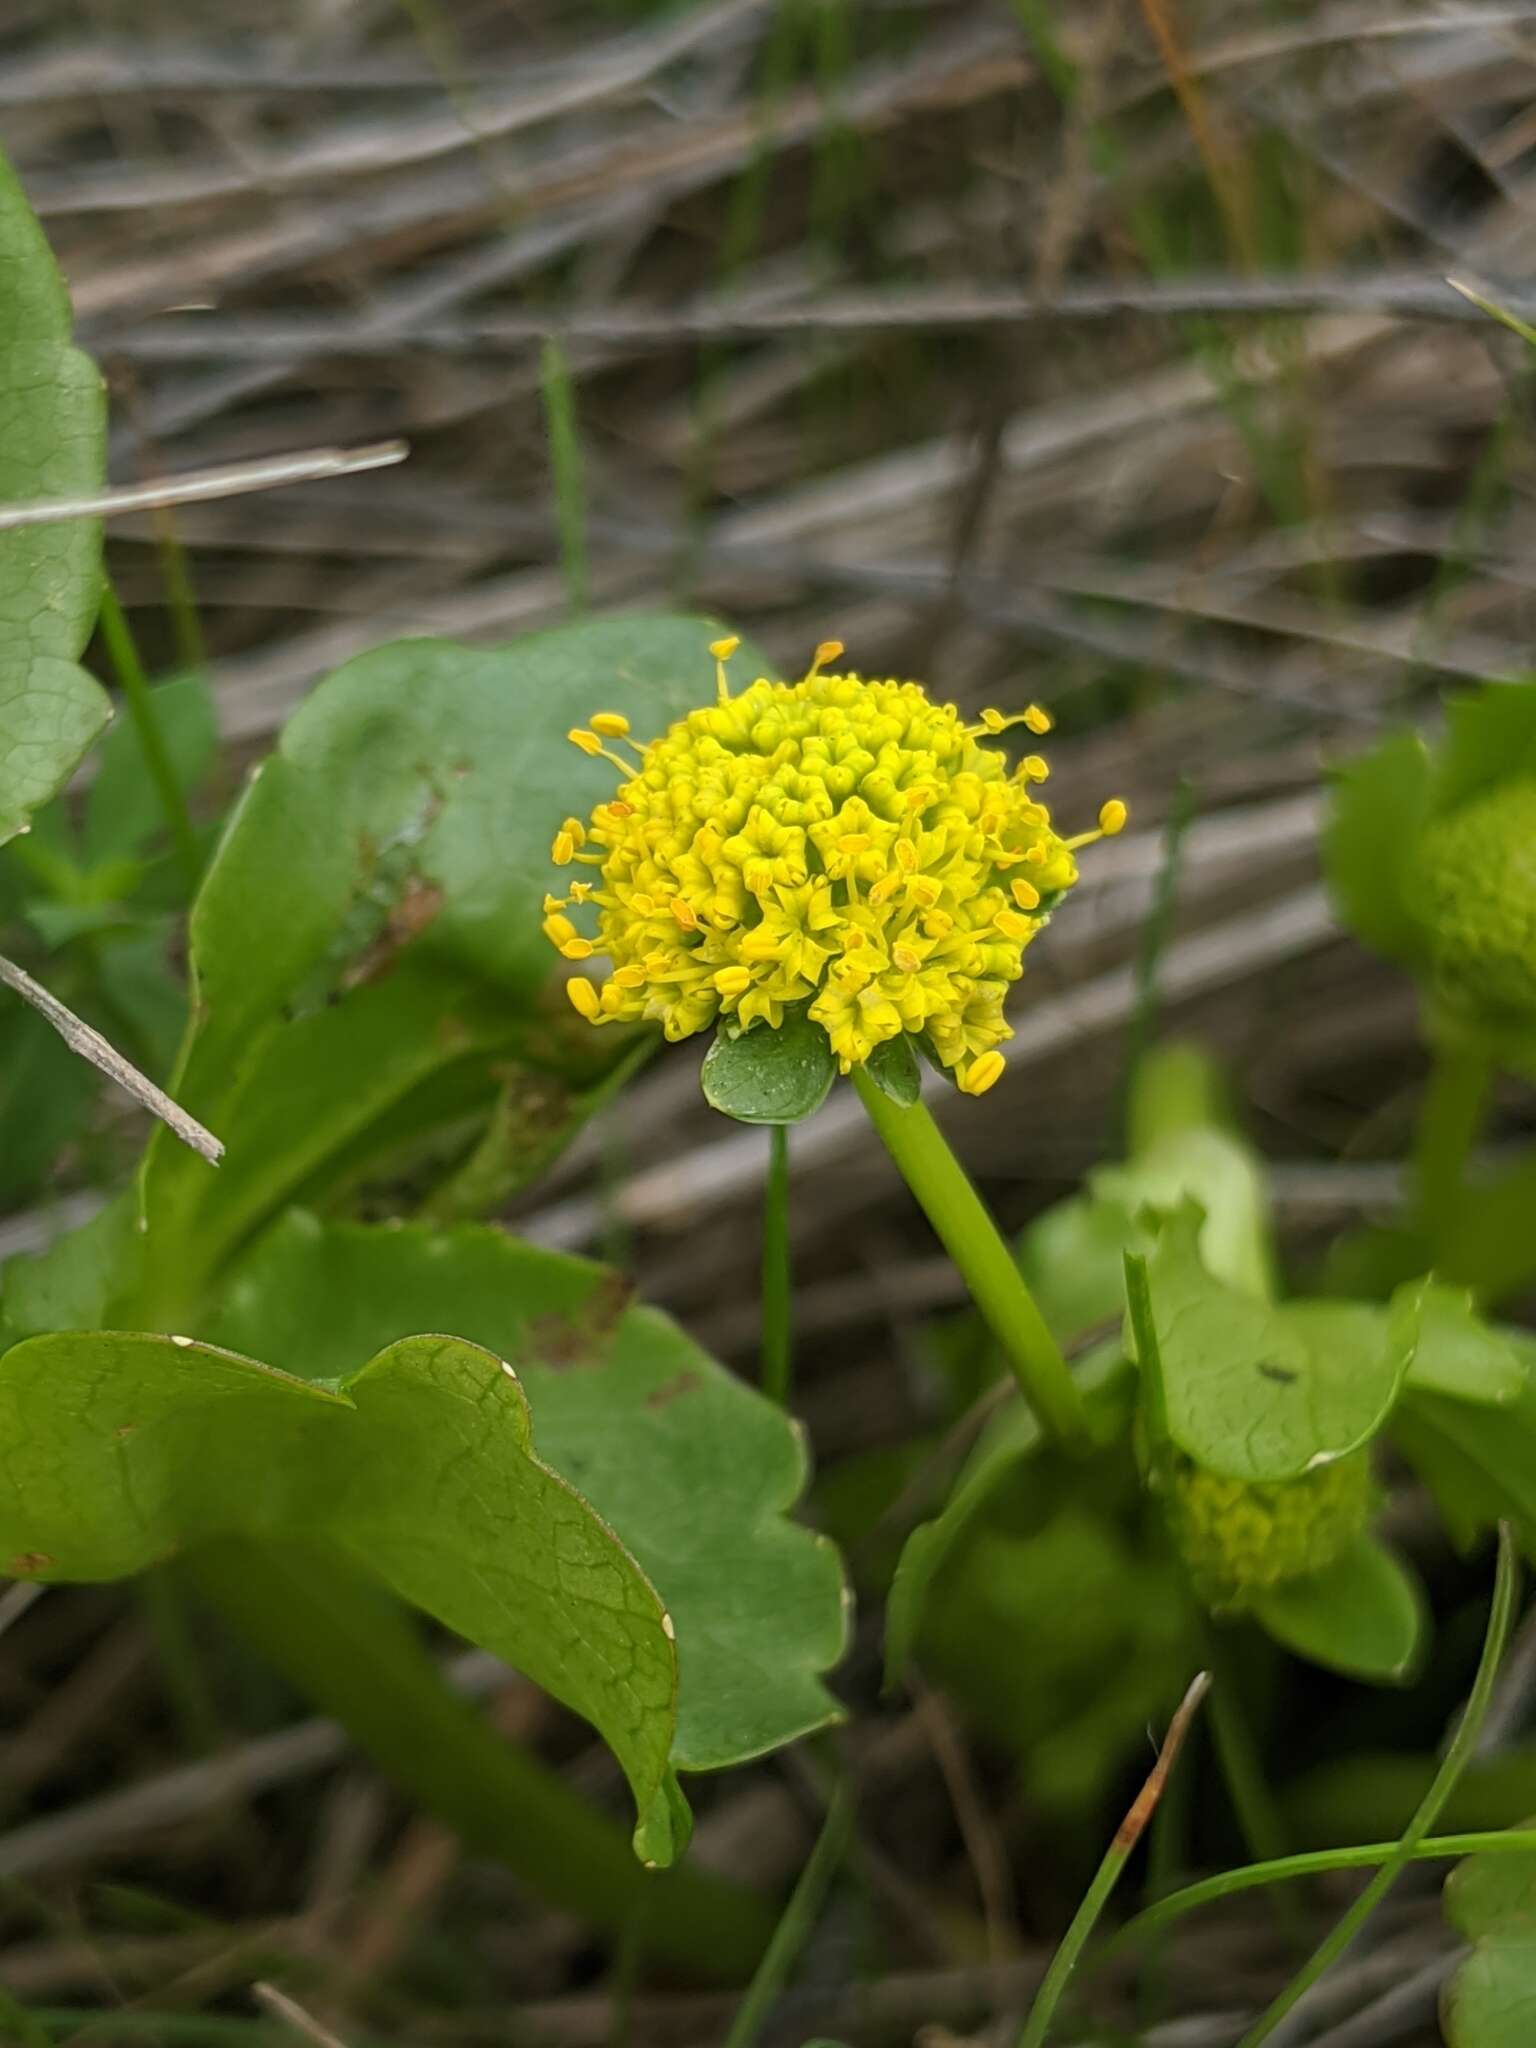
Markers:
point(693, 1470)
point(1490, 2001)
point(366, 947)
point(52, 445)
point(1259, 1392)
point(119, 1449)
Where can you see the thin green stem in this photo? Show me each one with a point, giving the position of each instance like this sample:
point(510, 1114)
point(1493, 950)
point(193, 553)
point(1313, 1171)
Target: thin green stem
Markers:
point(1151, 944)
point(777, 1280)
point(124, 656)
point(1037, 2026)
point(177, 577)
point(1457, 1757)
point(559, 397)
point(969, 1234)
point(799, 1919)
point(1449, 1122)
point(1317, 1863)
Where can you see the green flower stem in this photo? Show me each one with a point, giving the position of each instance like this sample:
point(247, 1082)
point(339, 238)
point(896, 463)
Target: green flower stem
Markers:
point(346, 1645)
point(777, 1280)
point(141, 709)
point(967, 1231)
point(1449, 1123)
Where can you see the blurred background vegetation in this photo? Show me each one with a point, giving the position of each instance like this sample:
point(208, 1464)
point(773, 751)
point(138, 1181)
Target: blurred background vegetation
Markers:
point(1097, 352)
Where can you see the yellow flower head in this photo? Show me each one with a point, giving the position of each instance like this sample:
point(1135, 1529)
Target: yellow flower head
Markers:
point(837, 842)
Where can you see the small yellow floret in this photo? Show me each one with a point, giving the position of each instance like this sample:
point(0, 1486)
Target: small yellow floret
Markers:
point(981, 1073)
point(583, 997)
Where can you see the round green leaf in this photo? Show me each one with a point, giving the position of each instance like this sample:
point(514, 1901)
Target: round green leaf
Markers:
point(768, 1076)
point(52, 445)
point(1262, 1392)
point(1365, 1615)
point(692, 1469)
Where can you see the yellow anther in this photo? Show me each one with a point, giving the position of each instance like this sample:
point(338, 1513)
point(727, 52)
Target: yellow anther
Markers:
point(685, 914)
point(588, 742)
point(993, 721)
point(632, 976)
point(733, 981)
point(722, 650)
point(1011, 925)
point(583, 997)
point(1025, 894)
point(1034, 768)
point(827, 650)
point(1112, 817)
point(978, 1077)
point(554, 903)
point(1038, 720)
point(904, 958)
point(578, 949)
point(563, 852)
point(559, 930)
point(611, 724)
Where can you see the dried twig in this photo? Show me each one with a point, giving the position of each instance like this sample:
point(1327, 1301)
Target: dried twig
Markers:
point(91, 1046)
point(227, 480)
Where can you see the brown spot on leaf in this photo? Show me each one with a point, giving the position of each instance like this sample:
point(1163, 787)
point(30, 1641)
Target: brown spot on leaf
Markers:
point(28, 1564)
point(409, 915)
point(683, 1383)
point(563, 1341)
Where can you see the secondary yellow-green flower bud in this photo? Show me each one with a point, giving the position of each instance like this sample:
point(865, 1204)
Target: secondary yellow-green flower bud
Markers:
point(1240, 1540)
point(837, 842)
point(1476, 895)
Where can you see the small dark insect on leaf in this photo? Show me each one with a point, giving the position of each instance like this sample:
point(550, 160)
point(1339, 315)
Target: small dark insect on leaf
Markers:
point(1285, 1375)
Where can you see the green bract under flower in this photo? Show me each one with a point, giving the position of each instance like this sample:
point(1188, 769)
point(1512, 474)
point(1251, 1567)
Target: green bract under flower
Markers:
point(842, 843)
point(1241, 1540)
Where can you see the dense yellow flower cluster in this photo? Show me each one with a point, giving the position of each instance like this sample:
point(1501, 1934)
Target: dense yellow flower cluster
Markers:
point(834, 841)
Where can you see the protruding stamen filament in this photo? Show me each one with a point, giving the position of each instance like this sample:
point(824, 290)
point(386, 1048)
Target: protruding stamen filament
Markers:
point(827, 651)
point(722, 650)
